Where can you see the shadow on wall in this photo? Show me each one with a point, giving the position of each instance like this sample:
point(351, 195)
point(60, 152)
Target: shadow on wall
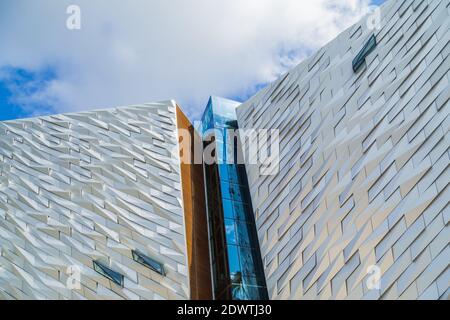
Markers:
point(195, 220)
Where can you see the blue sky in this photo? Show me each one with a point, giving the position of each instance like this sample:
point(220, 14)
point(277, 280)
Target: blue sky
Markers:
point(28, 83)
point(37, 77)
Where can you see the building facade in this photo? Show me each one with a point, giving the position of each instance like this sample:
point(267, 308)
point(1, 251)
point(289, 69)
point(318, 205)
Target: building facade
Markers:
point(96, 205)
point(362, 193)
point(114, 204)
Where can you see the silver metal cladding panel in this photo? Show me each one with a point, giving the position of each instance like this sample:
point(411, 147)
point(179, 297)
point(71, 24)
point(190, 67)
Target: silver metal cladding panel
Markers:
point(92, 186)
point(364, 164)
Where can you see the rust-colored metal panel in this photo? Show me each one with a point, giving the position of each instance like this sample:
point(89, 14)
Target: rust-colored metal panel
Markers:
point(195, 218)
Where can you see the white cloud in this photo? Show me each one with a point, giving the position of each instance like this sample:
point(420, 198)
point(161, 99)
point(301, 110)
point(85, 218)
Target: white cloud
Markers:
point(138, 51)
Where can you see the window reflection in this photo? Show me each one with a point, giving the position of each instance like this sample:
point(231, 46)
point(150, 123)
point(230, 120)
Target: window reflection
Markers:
point(240, 211)
point(239, 290)
point(238, 272)
point(230, 231)
point(232, 191)
point(233, 259)
point(243, 234)
point(228, 209)
point(247, 263)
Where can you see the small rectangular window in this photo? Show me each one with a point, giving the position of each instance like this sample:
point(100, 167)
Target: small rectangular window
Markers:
point(358, 62)
point(148, 262)
point(112, 275)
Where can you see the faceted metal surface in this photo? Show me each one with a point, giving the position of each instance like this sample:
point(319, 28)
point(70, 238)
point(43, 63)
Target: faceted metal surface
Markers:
point(92, 186)
point(364, 169)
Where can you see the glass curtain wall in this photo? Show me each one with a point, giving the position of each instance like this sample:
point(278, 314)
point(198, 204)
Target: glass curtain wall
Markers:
point(236, 261)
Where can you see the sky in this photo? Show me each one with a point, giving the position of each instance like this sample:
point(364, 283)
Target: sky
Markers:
point(137, 51)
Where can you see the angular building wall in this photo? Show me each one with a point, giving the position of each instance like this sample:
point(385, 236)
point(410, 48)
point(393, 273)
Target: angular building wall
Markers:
point(364, 164)
point(193, 188)
point(92, 186)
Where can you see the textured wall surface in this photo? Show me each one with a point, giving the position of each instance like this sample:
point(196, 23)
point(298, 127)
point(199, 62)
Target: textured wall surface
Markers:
point(91, 186)
point(364, 166)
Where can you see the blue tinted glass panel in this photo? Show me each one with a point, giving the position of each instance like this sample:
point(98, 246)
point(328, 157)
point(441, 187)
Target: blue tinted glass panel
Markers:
point(253, 281)
point(227, 190)
point(236, 210)
point(233, 259)
point(241, 211)
point(148, 262)
point(230, 231)
point(247, 263)
point(112, 275)
point(230, 173)
point(208, 119)
point(255, 291)
point(240, 292)
point(228, 211)
point(224, 171)
point(232, 191)
point(250, 281)
point(243, 234)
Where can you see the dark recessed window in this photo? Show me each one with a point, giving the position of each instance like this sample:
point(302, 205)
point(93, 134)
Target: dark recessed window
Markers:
point(112, 275)
point(358, 62)
point(148, 262)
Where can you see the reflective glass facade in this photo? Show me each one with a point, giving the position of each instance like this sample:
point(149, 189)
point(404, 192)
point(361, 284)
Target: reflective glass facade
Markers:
point(236, 261)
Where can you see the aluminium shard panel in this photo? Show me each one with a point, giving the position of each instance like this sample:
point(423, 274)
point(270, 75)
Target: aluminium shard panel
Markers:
point(364, 164)
point(92, 186)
